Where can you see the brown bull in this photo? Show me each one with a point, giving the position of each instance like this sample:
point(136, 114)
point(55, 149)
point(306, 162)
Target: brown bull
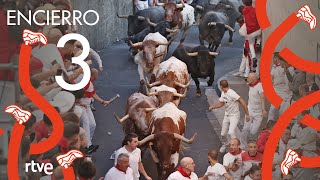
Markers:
point(138, 114)
point(169, 124)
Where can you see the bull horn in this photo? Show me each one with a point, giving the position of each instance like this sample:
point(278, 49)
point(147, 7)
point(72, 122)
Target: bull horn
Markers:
point(153, 155)
point(159, 4)
point(230, 28)
point(181, 95)
point(153, 84)
point(138, 44)
point(213, 53)
point(199, 7)
point(151, 23)
point(122, 119)
point(146, 139)
point(188, 141)
point(151, 94)
point(122, 16)
point(171, 30)
point(149, 109)
point(164, 44)
point(193, 54)
point(180, 5)
point(212, 24)
point(228, 6)
point(141, 18)
point(182, 85)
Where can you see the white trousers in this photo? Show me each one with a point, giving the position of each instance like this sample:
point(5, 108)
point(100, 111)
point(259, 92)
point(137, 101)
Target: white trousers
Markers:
point(251, 38)
point(244, 66)
point(250, 127)
point(88, 123)
point(140, 5)
point(229, 127)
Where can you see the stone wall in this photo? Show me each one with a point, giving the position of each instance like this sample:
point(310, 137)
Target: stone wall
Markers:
point(109, 26)
point(301, 40)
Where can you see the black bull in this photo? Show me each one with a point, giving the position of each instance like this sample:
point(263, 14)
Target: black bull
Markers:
point(200, 62)
point(137, 22)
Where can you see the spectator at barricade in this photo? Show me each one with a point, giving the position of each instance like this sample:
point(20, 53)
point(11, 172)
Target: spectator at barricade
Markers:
point(264, 135)
point(311, 82)
point(257, 109)
point(251, 157)
point(280, 83)
point(232, 161)
point(121, 170)
point(44, 128)
point(185, 171)
point(215, 171)
point(231, 100)
point(130, 147)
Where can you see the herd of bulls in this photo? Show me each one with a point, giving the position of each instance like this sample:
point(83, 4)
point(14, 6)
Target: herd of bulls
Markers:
point(155, 115)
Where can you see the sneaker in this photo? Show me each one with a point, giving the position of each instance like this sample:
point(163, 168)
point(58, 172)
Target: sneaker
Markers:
point(255, 62)
point(306, 15)
point(91, 149)
point(238, 74)
point(223, 148)
point(290, 160)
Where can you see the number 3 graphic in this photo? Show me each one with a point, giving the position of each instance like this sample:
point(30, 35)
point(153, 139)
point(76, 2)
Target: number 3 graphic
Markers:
point(76, 60)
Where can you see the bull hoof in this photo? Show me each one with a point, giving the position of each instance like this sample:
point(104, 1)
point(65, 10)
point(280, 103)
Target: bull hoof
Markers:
point(152, 79)
point(198, 93)
point(230, 43)
point(209, 83)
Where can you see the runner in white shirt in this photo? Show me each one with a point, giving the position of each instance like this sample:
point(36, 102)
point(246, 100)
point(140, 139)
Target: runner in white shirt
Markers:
point(185, 171)
point(215, 171)
point(280, 83)
point(121, 170)
point(231, 100)
point(130, 144)
point(256, 106)
point(232, 161)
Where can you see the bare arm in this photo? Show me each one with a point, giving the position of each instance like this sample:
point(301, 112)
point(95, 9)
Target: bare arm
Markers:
point(228, 176)
point(218, 105)
point(205, 177)
point(42, 90)
point(97, 98)
point(263, 105)
point(142, 170)
point(244, 105)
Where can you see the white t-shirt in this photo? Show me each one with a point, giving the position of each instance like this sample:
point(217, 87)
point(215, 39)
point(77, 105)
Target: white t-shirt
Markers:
point(115, 174)
point(230, 99)
point(280, 81)
point(254, 103)
point(218, 170)
point(178, 176)
point(228, 159)
point(134, 159)
point(248, 178)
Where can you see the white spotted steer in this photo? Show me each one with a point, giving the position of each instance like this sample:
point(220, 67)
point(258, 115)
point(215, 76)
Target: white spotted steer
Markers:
point(169, 124)
point(153, 50)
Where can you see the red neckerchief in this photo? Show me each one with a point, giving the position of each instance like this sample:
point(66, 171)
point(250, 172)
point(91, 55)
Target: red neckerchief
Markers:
point(63, 145)
point(302, 126)
point(234, 153)
point(254, 83)
point(118, 167)
point(184, 174)
point(81, 178)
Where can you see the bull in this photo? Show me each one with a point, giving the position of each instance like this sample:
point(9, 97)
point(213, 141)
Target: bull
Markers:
point(153, 50)
point(180, 16)
point(166, 94)
point(138, 114)
point(173, 73)
point(214, 16)
point(137, 22)
point(168, 128)
point(200, 63)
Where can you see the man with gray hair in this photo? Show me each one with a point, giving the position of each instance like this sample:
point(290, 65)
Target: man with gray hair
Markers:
point(121, 170)
point(185, 171)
